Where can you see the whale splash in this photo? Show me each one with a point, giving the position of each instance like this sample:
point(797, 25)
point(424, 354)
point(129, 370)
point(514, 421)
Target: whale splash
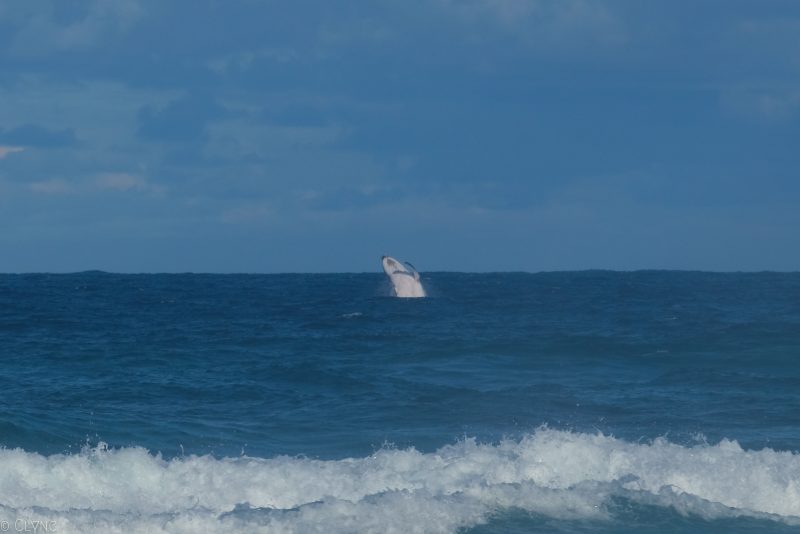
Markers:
point(404, 278)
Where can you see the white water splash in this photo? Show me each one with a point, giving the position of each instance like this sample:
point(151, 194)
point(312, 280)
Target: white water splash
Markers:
point(562, 475)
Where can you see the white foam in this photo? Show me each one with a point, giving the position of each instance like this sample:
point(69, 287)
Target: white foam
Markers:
point(554, 473)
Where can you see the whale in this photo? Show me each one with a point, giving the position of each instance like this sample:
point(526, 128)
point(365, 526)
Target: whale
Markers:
point(404, 278)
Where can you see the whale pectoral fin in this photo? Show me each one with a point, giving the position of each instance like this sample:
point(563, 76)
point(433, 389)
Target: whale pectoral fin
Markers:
point(413, 270)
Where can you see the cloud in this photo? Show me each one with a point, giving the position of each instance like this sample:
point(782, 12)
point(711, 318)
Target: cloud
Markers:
point(775, 36)
point(184, 119)
point(38, 136)
point(351, 198)
point(292, 114)
point(762, 105)
point(244, 61)
point(241, 140)
point(122, 182)
point(248, 213)
point(52, 187)
point(6, 150)
point(563, 24)
point(41, 30)
point(114, 182)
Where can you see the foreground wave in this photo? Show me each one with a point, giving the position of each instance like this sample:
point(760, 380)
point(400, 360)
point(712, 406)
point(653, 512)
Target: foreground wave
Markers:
point(551, 473)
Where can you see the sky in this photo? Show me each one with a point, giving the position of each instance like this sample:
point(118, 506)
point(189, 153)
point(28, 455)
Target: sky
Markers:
point(460, 135)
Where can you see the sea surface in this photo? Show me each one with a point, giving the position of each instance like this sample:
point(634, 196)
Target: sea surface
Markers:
point(594, 401)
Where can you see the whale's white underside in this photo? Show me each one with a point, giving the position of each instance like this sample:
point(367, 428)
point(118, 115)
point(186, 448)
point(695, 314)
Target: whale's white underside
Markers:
point(404, 278)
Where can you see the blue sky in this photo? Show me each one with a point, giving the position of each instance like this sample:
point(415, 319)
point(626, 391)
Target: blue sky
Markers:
point(474, 135)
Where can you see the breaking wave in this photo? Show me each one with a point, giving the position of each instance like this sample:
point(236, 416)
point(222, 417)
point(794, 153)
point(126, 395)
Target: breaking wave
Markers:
point(552, 473)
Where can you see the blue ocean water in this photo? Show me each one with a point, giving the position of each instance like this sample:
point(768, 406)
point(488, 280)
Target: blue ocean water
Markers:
point(655, 401)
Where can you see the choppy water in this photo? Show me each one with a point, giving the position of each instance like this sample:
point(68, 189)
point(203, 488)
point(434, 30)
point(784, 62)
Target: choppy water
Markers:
point(566, 402)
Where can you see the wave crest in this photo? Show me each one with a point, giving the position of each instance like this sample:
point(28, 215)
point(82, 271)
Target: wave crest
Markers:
point(558, 474)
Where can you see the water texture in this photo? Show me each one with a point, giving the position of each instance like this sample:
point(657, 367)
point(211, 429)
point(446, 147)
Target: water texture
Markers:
point(653, 401)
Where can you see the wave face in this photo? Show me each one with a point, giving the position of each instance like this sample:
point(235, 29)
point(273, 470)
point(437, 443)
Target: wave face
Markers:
point(552, 474)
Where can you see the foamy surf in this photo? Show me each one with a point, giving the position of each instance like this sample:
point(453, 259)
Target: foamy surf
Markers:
point(557, 474)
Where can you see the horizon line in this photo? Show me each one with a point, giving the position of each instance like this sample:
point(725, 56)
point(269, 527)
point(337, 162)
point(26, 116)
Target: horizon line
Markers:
point(279, 273)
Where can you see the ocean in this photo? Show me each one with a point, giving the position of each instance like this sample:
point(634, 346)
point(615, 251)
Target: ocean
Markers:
point(593, 401)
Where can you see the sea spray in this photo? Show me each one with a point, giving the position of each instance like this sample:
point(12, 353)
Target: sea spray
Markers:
point(555, 473)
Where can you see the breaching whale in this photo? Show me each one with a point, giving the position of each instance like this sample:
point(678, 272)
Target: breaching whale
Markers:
point(404, 278)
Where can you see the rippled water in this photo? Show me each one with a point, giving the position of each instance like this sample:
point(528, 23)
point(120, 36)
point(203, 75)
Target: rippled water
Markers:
point(574, 402)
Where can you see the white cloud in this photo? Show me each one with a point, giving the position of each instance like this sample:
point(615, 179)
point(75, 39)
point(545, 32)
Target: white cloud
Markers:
point(6, 150)
point(123, 182)
point(563, 24)
point(774, 105)
point(243, 61)
point(109, 182)
point(120, 181)
point(51, 187)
